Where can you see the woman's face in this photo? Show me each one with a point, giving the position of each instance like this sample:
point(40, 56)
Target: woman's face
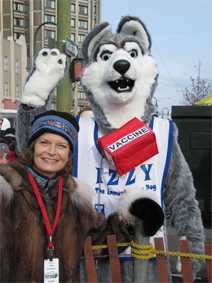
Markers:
point(51, 154)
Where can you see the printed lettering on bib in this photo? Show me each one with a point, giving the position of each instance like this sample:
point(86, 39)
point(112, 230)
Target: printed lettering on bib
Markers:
point(112, 178)
point(108, 185)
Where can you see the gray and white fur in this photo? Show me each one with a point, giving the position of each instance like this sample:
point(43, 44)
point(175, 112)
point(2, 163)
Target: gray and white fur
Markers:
point(114, 62)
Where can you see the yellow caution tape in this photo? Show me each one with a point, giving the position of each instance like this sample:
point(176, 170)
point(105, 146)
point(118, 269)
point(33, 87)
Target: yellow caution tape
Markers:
point(99, 247)
point(190, 255)
point(147, 252)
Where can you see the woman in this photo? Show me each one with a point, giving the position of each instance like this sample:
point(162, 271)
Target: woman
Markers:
point(45, 214)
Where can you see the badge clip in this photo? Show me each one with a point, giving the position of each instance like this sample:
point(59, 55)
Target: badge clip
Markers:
point(50, 249)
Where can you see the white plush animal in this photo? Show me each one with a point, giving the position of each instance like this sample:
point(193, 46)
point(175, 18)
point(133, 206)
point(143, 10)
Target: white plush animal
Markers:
point(49, 67)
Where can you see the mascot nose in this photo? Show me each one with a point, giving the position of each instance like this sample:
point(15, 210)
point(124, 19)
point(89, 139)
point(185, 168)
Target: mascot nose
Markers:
point(121, 66)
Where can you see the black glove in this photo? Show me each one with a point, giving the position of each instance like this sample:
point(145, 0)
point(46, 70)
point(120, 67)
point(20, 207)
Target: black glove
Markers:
point(150, 213)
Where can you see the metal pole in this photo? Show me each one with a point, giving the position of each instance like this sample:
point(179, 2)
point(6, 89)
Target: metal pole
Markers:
point(64, 91)
point(140, 266)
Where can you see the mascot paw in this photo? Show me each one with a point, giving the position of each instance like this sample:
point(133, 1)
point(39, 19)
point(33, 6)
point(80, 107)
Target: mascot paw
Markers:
point(150, 213)
point(33, 100)
point(137, 203)
point(49, 70)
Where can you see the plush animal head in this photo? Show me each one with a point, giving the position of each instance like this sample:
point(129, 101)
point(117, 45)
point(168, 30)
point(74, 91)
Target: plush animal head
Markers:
point(120, 74)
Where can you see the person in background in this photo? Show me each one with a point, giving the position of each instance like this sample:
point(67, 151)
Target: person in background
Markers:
point(10, 139)
point(4, 151)
point(8, 148)
point(4, 124)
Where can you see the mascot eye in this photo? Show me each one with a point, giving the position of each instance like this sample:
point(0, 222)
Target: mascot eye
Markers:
point(105, 55)
point(133, 53)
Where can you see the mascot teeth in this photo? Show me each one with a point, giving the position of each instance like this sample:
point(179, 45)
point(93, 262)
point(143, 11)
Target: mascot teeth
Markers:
point(122, 85)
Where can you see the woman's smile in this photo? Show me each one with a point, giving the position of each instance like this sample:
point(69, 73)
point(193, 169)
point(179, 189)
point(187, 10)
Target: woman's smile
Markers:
point(51, 154)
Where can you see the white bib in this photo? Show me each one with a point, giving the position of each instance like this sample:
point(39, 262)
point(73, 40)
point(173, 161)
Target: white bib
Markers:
point(94, 170)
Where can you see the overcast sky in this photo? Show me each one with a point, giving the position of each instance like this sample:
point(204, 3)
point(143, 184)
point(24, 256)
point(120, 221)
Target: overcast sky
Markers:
point(181, 32)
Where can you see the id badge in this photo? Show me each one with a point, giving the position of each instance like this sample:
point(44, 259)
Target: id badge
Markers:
point(51, 270)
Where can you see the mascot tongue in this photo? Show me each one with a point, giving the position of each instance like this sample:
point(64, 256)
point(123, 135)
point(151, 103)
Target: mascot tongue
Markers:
point(129, 146)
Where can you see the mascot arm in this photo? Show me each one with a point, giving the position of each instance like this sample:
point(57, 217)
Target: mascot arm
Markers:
point(181, 205)
point(25, 116)
point(111, 225)
point(136, 204)
point(122, 223)
point(6, 195)
point(48, 71)
point(96, 224)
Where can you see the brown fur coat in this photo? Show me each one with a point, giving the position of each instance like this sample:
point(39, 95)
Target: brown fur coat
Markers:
point(23, 235)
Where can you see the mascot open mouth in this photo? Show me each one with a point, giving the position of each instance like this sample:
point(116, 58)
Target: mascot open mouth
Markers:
point(122, 85)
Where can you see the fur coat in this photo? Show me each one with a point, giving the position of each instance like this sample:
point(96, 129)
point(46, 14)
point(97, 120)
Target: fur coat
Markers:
point(23, 245)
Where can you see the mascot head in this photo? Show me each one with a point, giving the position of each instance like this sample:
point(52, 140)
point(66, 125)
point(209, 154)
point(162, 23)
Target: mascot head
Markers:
point(120, 74)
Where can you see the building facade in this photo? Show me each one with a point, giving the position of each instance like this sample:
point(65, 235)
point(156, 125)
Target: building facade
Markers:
point(24, 17)
point(13, 62)
point(85, 15)
point(36, 21)
point(12, 71)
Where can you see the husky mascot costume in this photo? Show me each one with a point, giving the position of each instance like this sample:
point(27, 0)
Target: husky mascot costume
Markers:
point(120, 77)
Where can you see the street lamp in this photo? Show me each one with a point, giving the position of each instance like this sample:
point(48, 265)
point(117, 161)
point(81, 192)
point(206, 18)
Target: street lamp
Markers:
point(36, 32)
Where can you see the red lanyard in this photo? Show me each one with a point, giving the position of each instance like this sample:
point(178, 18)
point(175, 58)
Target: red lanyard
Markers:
point(49, 228)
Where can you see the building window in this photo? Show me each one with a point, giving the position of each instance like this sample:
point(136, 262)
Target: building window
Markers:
point(19, 7)
point(6, 89)
point(50, 4)
point(49, 18)
point(49, 34)
point(49, 38)
point(83, 24)
point(83, 10)
point(73, 37)
point(17, 91)
point(6, 64)
point(95, 10)
point(82, 96)
point(17, 67)
point(19, 22)
point(80, 38)
point(73, 21)
point(73, 8)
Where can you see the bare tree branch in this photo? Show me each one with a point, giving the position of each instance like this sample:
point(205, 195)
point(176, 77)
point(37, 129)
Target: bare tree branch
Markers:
point(198, 89)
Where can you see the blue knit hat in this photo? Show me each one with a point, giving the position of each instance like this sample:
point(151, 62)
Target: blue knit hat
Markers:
point(55, 122)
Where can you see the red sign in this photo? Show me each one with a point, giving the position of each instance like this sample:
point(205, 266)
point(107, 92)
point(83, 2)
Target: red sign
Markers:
point(129, 146)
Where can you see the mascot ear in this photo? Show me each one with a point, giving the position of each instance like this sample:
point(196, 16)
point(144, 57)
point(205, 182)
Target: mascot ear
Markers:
point(133, 26)
point(93, 39)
